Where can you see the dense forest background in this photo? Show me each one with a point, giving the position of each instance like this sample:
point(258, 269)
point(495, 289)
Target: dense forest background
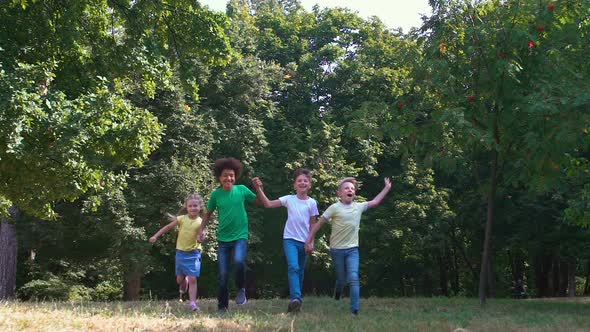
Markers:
point(112, 111)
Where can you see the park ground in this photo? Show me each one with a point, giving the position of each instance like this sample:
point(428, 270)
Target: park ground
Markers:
point(318, 314)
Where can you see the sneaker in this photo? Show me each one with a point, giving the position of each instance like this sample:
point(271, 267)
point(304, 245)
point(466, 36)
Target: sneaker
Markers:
point(337, 295)
point(294, 305)
point(355, 312)
point(221, 311)
point(241, 297)
point(194, 306)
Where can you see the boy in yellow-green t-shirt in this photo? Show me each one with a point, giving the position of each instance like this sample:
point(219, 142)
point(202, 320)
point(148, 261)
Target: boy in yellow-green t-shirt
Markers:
point(188, 249)
point(345, 218)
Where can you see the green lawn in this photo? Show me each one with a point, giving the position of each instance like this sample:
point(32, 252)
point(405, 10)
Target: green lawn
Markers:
point(318, 314)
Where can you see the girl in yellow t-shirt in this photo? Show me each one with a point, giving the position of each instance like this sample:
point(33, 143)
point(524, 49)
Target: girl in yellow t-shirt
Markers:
point(188, 249)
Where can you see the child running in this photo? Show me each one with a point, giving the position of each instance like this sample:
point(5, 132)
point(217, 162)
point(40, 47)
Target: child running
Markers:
point(188, 250)
point(301, 215)
point(232, 232)
point(345, 217)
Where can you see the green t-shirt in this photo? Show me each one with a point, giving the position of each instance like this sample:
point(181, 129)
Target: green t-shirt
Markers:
point(187, 233)
point(233, 220)
point(345, 220)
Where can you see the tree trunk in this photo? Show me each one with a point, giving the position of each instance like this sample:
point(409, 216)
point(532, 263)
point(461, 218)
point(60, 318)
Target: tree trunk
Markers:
point(443, 273)
point(8, 254)
point(571, 276)
point(491, 278)
point(131, 286)
point(563, 277)
point(459, 247)
point(402, 283)
point(483, 274)
point(455, 283)
point(587, 284)
point(542, 275)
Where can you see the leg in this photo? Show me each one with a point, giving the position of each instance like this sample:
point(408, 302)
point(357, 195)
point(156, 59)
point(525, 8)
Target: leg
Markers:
point(181, 281)
point(293, 268)
point(192, 288)
point(192, 293)
point(240, 252)
point(302, 265)
point(223, 258)
point(339, 262)
point(352, 275)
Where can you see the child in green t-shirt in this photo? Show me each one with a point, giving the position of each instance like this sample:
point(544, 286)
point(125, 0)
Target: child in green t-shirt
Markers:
point(232, 233)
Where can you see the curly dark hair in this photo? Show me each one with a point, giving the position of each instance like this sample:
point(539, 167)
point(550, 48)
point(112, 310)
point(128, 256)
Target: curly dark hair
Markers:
point(302, 171)
point(227, 163)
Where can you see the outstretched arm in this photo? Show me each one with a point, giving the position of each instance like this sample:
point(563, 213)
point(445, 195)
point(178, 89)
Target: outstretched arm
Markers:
point(377, 200)
point(313, 230)
point(261, 196)
point(172, 224)
point(201, 233)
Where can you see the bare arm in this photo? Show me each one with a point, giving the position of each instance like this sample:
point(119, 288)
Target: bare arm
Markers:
point(204, 223)
point(172, 224)
point(261, 196)
point(312, 231)
point(377, 200)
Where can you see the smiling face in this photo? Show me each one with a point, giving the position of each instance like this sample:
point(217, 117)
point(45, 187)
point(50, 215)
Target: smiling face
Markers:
point(227, 179)
point(302, 185)
point(193, 207)
point(346, 192)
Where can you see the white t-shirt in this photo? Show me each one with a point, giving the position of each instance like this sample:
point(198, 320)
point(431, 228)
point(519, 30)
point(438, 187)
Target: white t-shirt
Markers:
point(298, 213)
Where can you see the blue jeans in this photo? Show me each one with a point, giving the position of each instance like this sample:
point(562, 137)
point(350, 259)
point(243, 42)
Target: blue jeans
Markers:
point(296, 259)
point(224, 253)
point(346, 263)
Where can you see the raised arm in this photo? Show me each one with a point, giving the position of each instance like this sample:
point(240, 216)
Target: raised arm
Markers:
point(204, 223)
point(312, 231)
point(377, 200)
point(172, 224)
point(261, 196)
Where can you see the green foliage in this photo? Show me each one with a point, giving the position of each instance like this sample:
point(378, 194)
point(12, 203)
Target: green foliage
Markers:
point(112, 112)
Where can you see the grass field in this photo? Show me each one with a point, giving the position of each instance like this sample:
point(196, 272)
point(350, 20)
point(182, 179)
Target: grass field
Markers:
point(318, 314)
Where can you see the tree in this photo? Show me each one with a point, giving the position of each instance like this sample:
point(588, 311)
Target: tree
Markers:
point(502, 80)
point(69, 85)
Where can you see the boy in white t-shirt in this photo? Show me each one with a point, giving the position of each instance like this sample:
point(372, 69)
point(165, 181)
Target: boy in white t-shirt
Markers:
point(301, 215)
point(345, 217)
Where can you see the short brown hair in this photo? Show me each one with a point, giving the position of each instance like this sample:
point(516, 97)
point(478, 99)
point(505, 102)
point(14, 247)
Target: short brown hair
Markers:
point(302, 171)
point(227, 163)
point(349, 179)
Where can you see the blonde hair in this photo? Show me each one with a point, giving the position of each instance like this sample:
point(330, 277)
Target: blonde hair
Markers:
point(191, 197)
point(348, 179)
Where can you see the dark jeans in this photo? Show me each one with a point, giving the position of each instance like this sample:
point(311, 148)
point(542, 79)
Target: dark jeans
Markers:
point(224, 253)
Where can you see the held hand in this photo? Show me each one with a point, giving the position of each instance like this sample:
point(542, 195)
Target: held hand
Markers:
point(201, 236)
point(257, 183)
point(309, 247)
point(153, 239)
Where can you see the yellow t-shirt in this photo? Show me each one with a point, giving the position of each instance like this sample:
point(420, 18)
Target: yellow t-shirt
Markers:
point(187, 233)
point(345, 220)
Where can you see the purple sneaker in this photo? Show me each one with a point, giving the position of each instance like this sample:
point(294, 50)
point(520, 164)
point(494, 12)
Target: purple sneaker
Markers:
point(194, 306)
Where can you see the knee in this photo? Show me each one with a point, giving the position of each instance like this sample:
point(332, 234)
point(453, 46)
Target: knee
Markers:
point(223, 277)
point(293, 268)
point(353, 279)
point(240, 263)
